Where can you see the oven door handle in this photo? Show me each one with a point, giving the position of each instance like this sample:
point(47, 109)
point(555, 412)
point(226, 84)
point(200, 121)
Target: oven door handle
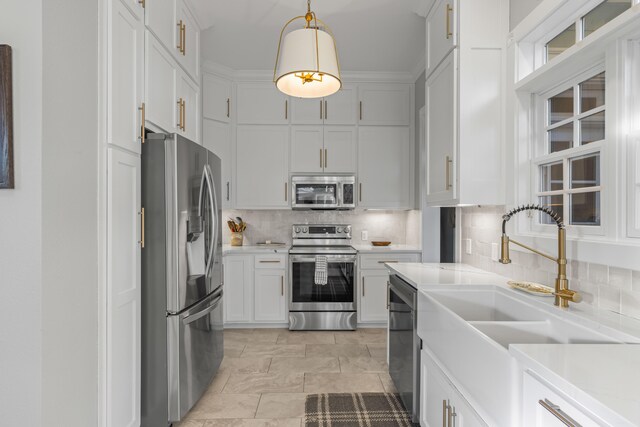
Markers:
point(330, 258)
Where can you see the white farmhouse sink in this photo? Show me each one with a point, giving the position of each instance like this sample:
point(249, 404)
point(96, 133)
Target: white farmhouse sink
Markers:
point(469, 330)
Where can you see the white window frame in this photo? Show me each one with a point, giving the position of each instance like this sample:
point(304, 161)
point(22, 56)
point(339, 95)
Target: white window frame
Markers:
point(541, 156)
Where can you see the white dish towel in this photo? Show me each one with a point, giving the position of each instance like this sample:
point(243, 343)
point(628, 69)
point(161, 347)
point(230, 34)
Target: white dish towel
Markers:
point(321, 271)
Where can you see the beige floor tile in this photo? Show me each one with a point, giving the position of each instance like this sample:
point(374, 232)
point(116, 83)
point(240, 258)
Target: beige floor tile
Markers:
point(233, 349)
point(218, 382)
point(387, 383)
point(189, 423)
point(289, 422)
point(304, 364)
point(264, 383)
point(362, 364)
point(342, 383)
point(380, 331)
point(360, 338)
point(225, 406)
point(336, 350)
point(249, 336)
point(306, 337)
point(281, 405)
point(378, 351)
point(245, 365)
point(273, 350)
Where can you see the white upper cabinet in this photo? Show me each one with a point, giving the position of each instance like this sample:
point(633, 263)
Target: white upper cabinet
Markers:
point(339, 149)
point(262, 167)
point(160, 79)
point(385, 167)
point(261, 104)
point(307, 149)
point(216, 137)
point(216, 98)
point(337, 109)
point(188, 41)
point(125, 76)
point(189, 96)
point(442, 33)
point(384, 104)
point(160, 18)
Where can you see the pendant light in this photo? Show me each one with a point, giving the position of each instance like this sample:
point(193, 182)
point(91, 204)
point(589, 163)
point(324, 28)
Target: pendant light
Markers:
point(307, 60)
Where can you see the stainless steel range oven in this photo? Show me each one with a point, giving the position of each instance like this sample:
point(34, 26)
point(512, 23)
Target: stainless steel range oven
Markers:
point(322, 278)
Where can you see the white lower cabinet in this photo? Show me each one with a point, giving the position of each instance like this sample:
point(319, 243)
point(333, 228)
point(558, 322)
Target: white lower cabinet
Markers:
point(543, 407)
point(255, 288)
point(441, 404)
point(372, 284)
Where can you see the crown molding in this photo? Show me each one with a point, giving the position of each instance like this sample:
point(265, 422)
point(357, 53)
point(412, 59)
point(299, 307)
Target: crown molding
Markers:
point(218, 69)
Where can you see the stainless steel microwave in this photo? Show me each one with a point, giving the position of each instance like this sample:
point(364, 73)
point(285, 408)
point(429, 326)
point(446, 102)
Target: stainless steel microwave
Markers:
point(323, 192)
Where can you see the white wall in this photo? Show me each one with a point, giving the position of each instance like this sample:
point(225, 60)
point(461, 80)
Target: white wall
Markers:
point(69, 213)
point(20, 224)
point(518, 9)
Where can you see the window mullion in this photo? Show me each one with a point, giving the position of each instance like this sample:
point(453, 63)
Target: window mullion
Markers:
point(566, 186)
point(576, 112)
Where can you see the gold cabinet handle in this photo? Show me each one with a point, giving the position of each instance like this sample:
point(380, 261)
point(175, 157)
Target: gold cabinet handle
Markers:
point(448, 20)
point(269, 261)
point(325, 158)
point(360, 110)
point(285, 192)
point(179, 25)
point(362, 285)
point(321, 109)
point(142, 228)
point(142, 122)
point(184, 115)
point(558, 413)
point(325, 110)
point(388, 262)
point(388, 295)
point(282, 285)
point(450, 416)
point(286, 109)
point(179, 113)
point(228, 192)
point(321, 158)
point(228, 107)
point(183, 33)
point(445, 408)
point(141, 3)
point(447, 172)
point(360, 191)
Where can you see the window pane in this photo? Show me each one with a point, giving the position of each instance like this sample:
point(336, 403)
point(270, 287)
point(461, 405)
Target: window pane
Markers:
point(551, 177)
point(602, 14)
point(585, 208)
point(561, 106)
point(592, 128)
point(555, 203)
point(585, 171)
point(592, 93)
point(561, 42)
point(561, 138)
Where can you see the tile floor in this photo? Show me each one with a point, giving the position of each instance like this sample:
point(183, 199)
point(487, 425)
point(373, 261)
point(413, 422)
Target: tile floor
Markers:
point(267, 373)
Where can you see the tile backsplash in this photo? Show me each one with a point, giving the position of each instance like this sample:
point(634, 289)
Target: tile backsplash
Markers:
point(602, 286)
point(400, 227)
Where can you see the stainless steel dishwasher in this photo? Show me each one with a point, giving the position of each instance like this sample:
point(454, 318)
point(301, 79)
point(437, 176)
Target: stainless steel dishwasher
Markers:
point(404, 344)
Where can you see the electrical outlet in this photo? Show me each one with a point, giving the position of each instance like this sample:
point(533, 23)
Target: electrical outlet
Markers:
point(494, 252)
point(467, 246)
point(364, 235)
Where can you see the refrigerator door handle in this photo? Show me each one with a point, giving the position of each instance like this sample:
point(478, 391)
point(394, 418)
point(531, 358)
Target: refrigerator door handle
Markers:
point(193, 317)
point(214, 215)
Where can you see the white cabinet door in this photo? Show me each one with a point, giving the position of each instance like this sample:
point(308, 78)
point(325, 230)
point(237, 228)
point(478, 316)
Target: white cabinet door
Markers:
point(269, 296)
point(307, 152)
point(385, 104)
point(385, 167)
point(160, 81)
point(123, 289)
point(216, 137)
point(305, 111)
point(160, 18)
point(339, 149)
point(189, 55)
point(125, 77)
point(340, 108)
point(261, 104)
point(136, 8)
point(238, 288)
point(262, 167)
point(189, 93)
point(441, 29)
point(372, 306)
point(441, 132)
point(216, 98)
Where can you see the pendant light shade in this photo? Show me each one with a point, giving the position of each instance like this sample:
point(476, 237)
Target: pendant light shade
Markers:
point(307, 61)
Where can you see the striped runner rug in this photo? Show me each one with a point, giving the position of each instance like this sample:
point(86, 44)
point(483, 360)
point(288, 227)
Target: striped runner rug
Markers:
point(355, 409)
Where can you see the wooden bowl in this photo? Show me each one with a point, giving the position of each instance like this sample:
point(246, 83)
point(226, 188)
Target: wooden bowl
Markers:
point(380, 243)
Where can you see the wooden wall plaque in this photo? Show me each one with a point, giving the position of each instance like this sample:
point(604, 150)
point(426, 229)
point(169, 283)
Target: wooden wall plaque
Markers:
point(6, 118)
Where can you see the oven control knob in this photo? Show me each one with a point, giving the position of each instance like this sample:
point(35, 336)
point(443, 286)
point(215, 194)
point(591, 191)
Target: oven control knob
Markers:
point(297, 229)
point(305, 229)
point(347, 230)
point(339, 229)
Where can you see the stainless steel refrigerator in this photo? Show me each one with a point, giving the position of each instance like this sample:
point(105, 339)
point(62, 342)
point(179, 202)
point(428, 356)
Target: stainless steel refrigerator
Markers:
point(182, 340)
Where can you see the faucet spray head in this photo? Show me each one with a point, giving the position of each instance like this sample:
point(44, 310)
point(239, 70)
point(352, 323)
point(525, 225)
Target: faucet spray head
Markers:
point(504, 250)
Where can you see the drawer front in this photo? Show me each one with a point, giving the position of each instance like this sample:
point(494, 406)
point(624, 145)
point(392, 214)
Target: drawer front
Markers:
point(271, 261)
point(377, 261)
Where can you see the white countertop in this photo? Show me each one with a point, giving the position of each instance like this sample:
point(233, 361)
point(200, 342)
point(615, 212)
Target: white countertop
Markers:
point(605, 378)
point(369, 248)
point(423, 276)
point(255, 249)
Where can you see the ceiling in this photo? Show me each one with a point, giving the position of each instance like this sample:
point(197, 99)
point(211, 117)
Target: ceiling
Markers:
point(371, 35)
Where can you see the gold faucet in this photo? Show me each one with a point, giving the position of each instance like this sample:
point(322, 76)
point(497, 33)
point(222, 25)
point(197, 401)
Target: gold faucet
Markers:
point(562, 292)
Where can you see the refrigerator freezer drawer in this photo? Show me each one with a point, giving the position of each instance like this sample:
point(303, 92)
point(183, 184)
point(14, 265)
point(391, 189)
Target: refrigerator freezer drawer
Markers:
point(195, 351)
